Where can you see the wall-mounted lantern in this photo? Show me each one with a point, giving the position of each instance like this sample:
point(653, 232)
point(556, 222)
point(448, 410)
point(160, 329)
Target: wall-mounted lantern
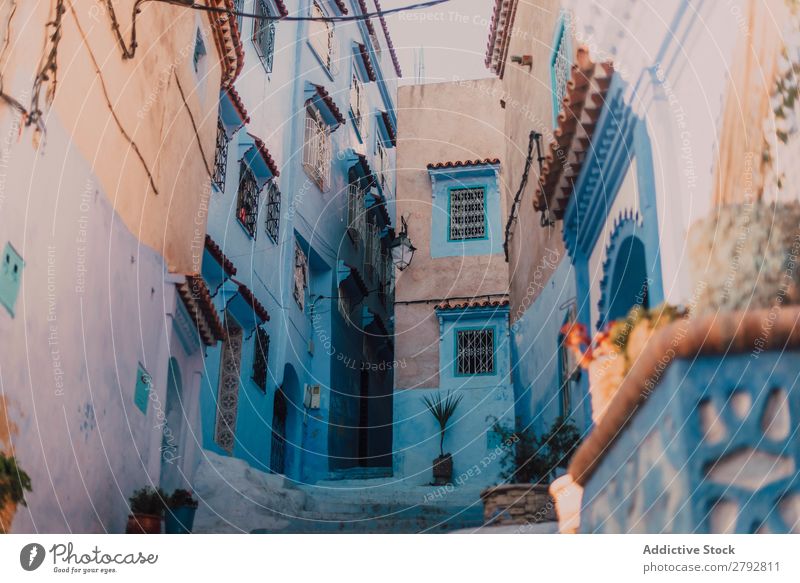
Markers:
point(402, 248)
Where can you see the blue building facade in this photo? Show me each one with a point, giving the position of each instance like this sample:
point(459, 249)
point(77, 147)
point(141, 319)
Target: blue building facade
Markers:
point(298, 257)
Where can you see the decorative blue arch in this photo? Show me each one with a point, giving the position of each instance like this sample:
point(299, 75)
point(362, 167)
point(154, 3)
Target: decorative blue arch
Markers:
point(620, 141)
point(625, 281)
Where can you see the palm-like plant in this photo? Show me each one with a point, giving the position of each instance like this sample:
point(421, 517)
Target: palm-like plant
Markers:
point(442, 409)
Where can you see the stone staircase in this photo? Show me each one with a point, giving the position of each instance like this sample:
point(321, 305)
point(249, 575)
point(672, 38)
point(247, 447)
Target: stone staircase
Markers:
point(237, 498)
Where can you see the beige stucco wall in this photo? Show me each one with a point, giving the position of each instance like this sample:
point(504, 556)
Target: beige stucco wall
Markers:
point(528, 107)
point(143, 93)
point(438, 123)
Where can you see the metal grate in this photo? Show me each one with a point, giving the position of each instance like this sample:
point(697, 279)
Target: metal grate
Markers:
point(247, 200)
point(474, 351)
point(300, 276)
point(356, 215)
point(562, 64)
point(261, 359)
point(321, 37)
point(238, 7)
point(358, 106)
point(264, 35)
point(273, 221)
point(384, 169)
point(317, 149)
point(467, 214)
point(228, 391)
point(221, 156)
point(372, 251)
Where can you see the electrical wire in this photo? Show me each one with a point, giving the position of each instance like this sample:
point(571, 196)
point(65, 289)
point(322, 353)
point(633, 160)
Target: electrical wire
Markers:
point(532, 137)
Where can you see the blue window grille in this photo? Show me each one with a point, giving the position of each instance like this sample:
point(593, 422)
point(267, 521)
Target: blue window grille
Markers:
point(467, 214)
point(560, 63)
point(247, 200)
point(220, 157)
point(264, 35)
point(475, 351)
point(273, 221)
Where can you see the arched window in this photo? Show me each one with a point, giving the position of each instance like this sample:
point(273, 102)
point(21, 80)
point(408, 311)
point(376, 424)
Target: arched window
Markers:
point(626, 280)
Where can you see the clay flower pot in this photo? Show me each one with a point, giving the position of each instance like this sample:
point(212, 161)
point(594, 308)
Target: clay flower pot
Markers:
point(442, 470)
point(606, 373)
point(143, 524)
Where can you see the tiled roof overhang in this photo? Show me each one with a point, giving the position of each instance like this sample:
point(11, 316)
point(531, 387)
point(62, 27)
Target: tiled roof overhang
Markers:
point(464, 163)
point(341, 6)
point(363, 5)
point(387, 124)
point(228, 40)
point(572, 138)
point(349, 274)
point(363, 54)
point(720, 333)
point(282, 10)
point(216, 252)
point(197, 299)
point(258, 308)
point(324, 101)
point(474, 303)
point(262, 150)
point(233, 97)
point(499, 35)
point(395, 60)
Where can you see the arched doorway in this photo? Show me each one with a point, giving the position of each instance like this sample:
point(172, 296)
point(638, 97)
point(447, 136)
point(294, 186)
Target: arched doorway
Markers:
point(172, 432)
point(626, 279)
point(277, 456)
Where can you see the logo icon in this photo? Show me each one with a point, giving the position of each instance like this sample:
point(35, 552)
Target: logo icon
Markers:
point(31, 556)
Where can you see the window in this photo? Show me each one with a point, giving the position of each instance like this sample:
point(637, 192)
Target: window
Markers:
point(568, 369)
point(467, 214)
point(386, 275)
point(247, 200)
point(384, 168)
point(273, 221)
point(356, 217)
point(560, 65)
point(344, 305)
point(474, 352)
point(238, 7)
point(228, 391)
point(221, 157)
point(264, 35)
point(199, 52)
point(372, 251)
point(300, 276)
point(260, 359)
point(358, 106)
point(317, 148)
point(320, 35)
point(376, 44)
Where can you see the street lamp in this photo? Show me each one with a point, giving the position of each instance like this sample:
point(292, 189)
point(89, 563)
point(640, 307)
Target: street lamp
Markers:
point(402, 249)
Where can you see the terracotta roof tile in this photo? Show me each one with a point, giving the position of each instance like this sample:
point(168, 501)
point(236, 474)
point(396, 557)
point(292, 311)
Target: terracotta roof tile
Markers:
point(265, 155)
point(389, 127)
point(581, 108)
point(228, 40)
point(341, 6)
point(502, 22)
point(282, 10)
point(462, 163)
point(220, 257)
point(363, 5)
point(238, 104)
point(250, 298)
point(473, 303)
point(718, 334)
point(330, 103)
point(395, 60)
point(362, 49)
point(197, 299)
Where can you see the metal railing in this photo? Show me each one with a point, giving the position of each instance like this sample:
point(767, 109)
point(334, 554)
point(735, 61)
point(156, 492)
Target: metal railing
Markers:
point(317, 151)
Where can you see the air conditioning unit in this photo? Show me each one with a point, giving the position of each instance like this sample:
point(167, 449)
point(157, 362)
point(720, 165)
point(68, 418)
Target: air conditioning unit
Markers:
point(312, 397)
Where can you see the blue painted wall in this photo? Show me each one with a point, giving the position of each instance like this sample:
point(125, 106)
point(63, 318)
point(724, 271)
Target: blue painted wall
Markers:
point(314, 345)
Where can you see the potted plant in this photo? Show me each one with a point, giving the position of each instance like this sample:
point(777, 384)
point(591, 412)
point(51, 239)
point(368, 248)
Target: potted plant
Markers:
point(14, 482)
point(610, 354)
point(181, 507)
point(529, 463)
point(147, 510)
point(442, 409)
